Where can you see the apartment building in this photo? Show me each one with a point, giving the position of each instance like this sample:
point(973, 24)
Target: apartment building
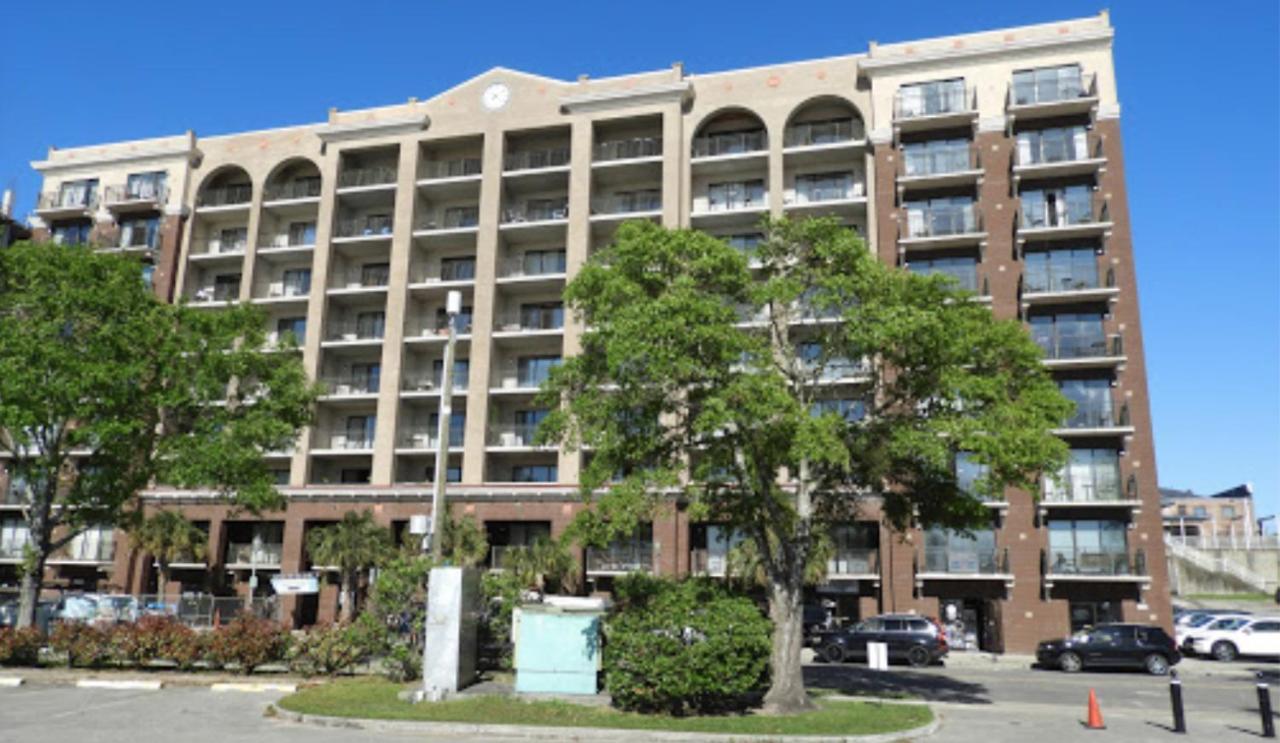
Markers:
point(993, 157)
point(1226, 517)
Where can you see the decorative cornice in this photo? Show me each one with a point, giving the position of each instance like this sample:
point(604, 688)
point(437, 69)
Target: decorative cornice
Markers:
point(587, 102)
point(373, 128)
point(187, 152)
point(872, 65)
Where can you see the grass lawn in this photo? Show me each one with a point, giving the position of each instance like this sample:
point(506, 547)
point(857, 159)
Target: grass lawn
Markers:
point(1231, 597)
point(374, 698)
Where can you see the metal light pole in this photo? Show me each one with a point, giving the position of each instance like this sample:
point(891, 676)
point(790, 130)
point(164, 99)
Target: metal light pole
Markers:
point(453, 306)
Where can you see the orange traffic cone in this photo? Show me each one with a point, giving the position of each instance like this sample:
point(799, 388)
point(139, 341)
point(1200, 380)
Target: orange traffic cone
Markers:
point(1095, 714)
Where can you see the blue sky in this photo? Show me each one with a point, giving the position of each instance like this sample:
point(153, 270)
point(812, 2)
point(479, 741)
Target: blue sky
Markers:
point(1199, 89)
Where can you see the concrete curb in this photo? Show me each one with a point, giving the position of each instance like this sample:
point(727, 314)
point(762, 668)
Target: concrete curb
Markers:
point(9, 682)
point(535, 732)
point(255, 688)
point(120, 685)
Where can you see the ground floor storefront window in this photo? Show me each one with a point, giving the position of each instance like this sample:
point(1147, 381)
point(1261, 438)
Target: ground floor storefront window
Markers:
point(1085, 614)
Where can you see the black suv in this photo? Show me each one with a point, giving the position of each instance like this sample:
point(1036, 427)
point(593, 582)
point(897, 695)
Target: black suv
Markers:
point(1112, 646)
point(909, 637)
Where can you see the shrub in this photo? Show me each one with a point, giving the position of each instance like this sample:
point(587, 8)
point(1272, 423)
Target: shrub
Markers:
point(20, 647)
point(684, 647)
point(154, 638)
point(335, 649)
point(248, 642)
point(85, 645)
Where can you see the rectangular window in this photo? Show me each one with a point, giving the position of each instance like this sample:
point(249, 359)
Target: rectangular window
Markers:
point(1070, 335)
point(366, 376)
point(458, 269)
point(72, 233)
point(948, 551)
point(292, 326)
point(371, 325)
point(963, 269)
point(360, 431)
point(78, 194)
point(1089, 614)
point(375, 274)
point(970, 476)
point(1228, 513)
point(540, 262)
point(932, 98)
point(302, 233)
point(1047, 84)
point(534, 473)
point(542, 316)
point(532, 371)
point(1093, 402)
point(457, 428)
point(452, 473)
point(1057, 207)
point(849, 410)
point(949, 215)
point(1090, 475)
point(1068, 269)
point(297, 282)
point(461, 372)
point(461, 323)
point(355, 475)
point(230, 240)
point(735, 195)
point(936, 157)
point(226, 287)
point(1053, 145)
point(817, 187)
point(139, 233)
point(145, 186)
point(1088, 547)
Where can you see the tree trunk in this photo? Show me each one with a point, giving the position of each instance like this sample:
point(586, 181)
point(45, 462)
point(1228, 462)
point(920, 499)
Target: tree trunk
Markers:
point(348, 598)
point(786, 693)
point(29, 597)
point(162, 575)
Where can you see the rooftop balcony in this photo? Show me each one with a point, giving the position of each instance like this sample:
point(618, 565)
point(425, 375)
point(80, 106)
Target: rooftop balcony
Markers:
point(233, 196)
point(929, 107)
point(144, 196)
point(375, 177)
point(1042, 96)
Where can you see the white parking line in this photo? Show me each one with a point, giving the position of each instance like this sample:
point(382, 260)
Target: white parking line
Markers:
point(10, 681)
point(122, 685)
point(256, 688)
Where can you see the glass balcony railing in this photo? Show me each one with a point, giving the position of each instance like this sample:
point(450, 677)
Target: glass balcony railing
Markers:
point(976, 561)
point(966, 276)
point(453, 218)
point(933, 161)
point(822, 132)
point(378, 175)
point(730, 143)
point(627, 149)
point(552, 157)
point(351, 384)
point(541, 318)
point(456, 168)
point(226, 195)
point(621, 558)
point(216, 293)
point(378, 226)
point(550, 265)
point(246, 553)
point(512, 434)
point(736, 196)
point(352, 330)
point(427, 437)
point(918, 101)
point(1047, 149)
point(1102, 563)
point(420, 382)
point(301, 188)
point(537, 211)
point(854, 561)
point(347, 442)
point(1085, 341)
point(817, 191)
point(1068, 212)
point(960, 219)
point(628, 203)
point(1060, 279)
point(280, 289)
point(140, 192)
point(68, 199)
point(1040, 88)
point(1096, 484)
point(361, 278)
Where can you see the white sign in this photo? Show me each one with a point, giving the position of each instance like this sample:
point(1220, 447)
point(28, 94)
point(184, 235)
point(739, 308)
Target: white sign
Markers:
point(419, 524)
point(878, 656)
point(286, 585)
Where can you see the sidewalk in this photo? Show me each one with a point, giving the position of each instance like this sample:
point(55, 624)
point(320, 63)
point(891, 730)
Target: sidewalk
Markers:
point(75, 676)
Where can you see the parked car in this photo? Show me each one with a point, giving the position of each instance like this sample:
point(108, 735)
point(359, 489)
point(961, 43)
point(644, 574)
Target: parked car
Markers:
point(1229, 638)
point(1197, 622)
point(1112, 646)
point(910, 638)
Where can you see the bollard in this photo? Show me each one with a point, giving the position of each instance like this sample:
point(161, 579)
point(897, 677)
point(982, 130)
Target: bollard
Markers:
point(1264, 708)
point(1175, 698)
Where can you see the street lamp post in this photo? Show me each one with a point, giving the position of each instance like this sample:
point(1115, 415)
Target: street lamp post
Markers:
point(453, 306)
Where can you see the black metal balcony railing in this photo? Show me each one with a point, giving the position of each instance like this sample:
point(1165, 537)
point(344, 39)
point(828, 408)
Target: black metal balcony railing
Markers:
point(822, 132)
point(452, 218)
point(976, 561)
point(364, 227)
point(361, 278)
point(245, 553)
point(621, 558)
point(377, 175)
point(627, 149)
point(537, 211)
point(960, 219)
point(70, 199)
point(914, 103)
point(457, 168)
point(1052, 89)
point(301, 188)
point(854, 561)
point(138, 192)
point(740, 196)
point(628, 203)
point(234, 195)
point(730, 143)
point(552, 157)
point(1102, 563)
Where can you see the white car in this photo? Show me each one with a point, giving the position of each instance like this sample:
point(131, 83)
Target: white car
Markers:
point(1228, 638)
point(1198, 623)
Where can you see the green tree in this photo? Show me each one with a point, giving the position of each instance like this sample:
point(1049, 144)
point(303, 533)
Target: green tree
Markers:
point(168, 537)
point(353, 544)
point(670, 382)
point(105, 390)
point(465, 541)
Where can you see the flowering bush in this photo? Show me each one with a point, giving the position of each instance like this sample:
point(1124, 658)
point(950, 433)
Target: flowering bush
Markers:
point(248, 642)
point(85, 645)
point(20, 647)
point(158, 638)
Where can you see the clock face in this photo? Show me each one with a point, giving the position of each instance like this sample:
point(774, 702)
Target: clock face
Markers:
point(495, 96)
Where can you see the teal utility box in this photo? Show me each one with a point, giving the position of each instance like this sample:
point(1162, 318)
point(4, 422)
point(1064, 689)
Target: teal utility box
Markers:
point(558, 645)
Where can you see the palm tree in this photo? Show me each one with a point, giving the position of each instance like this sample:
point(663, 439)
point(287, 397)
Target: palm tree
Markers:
point(169, 537)
point(465, 541)
point(545, 565)
point(353, 544)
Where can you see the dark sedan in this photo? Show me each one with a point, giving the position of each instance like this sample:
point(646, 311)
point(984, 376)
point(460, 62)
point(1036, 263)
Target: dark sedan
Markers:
point(1112, 646)
point(910, 638)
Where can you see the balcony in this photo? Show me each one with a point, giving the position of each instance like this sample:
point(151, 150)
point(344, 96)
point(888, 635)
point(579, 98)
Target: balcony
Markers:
point(352, 332)
point(514, 436)
point(551, 158)
point(374, 178)
point(540, 320)
point(1104, 566)
point(750, 144)
point(461, 168)
point(1096, 418)
point(1050, 96)
point(281, 292)
point(139, 242)
point(216, 249)
point(87, 551)
point(627, 205)
point(136, 197)
point(360, 280)
point(813, 194)
point(926, 168)
point(620, 559)
point(537, 210)
point(951, 563)
point(364, 228)
point(957, 226)
point(854, 563)
point(837, 371)
point(733, 203)
point(428, 439)
point(825, 135)
point(1067, 284)
point(533, 267)
point(1070, 219)
point(216, 294)
point(247, 555)
point(964, 276)
point(451, 219)
point(624, 151)
point(344, 443)
point(927, 107)
point(418, 384)
point(1080, 348)
point(13, 550)
point(77, 202)
point(436, 329)
point(225, 197)
point(301, 189)
point(1045, 157)
point(348, 386)
point(1087, 488)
